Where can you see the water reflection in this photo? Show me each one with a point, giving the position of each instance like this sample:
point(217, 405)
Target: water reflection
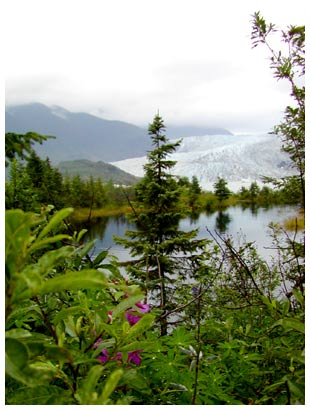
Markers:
point(194, 216)
point(222, 221)
point(248, 222)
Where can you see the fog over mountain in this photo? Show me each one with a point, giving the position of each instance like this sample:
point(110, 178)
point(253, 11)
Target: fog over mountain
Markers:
point(206, 152)
point(84, 136)
point(239, 159)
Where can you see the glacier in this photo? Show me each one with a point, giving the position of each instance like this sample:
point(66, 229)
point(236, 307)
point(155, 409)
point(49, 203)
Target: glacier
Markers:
point(240, 159)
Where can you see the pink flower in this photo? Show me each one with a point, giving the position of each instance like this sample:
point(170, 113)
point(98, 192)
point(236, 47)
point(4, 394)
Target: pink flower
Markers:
point(144, 308)
point(103, 357)
point(109, 316)
point(134, 357)
point(131, 317)
point(118, 356)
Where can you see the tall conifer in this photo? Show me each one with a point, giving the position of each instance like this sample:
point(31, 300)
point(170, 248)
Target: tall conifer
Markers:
point(162, 249)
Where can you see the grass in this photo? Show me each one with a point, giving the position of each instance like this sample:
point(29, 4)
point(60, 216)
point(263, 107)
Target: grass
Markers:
point(82, 214)
point(295, 223)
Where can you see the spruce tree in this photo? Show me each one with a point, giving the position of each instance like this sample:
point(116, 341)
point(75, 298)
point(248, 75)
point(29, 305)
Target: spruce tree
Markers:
point(220, 189)
point(162, 249)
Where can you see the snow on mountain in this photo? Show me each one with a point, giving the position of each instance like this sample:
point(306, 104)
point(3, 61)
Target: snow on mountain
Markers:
point(239, 159)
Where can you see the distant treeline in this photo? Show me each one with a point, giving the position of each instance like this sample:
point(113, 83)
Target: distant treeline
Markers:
point(35, 183)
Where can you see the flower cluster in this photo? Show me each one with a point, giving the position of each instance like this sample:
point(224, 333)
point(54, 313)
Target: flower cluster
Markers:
point(133, 357)
point(133, 315)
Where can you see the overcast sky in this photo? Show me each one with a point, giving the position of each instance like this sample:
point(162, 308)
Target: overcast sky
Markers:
point(126, 59)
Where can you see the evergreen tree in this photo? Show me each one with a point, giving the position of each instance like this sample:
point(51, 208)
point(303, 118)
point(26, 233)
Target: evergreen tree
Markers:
point(19, 192)
point(20, 145)
point(194, 191)
point(161, 247)
point(221, 190)
point(254, 191)
point(53, 185)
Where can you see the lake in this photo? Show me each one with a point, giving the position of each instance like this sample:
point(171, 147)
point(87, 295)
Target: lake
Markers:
point(243, 224)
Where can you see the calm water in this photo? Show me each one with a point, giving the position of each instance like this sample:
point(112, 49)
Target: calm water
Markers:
point(244, 225)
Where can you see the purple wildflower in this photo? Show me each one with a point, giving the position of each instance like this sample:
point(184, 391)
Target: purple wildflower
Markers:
point(144, 308)
point(134, 318)
point(110, 312)
point(118, 356)
point(195, 290)
point(134, 357)
point(103, 357)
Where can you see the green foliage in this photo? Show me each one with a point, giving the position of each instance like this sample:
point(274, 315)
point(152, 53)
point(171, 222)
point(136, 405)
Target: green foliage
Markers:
point(288, 64)
point(57, 317)
point(20, 145)
point(232, 325)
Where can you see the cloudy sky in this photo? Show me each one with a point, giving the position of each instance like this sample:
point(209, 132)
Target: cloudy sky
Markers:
point(191, 60)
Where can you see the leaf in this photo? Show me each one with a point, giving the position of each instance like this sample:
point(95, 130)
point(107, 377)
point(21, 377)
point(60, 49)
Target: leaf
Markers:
point(86, 248)
point(50, 259)
point(80, 235)
point(17, 333)
point(110, 386)
point(54, 221)
point(126, 304)
point(39, 395)
point(291, 324)
point(17, 237)
point(140, 327)
point(100, 257)
point(85, 279)
point(23, 313)
point(85, 393)
point(17, 355)
point(65, 312)
point(138, 345)
point(17, 367)
point(41, 244)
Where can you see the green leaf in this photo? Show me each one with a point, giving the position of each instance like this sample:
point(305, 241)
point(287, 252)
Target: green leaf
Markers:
point(80, 235)
point(291, 324)
point(86, 393)
point(85, 279)
point(55, 220)
point(70, 327)
point(149, 346)
point(126, 304)
point(16, 355)
point(100, 257)
point(110, 386)
point(41, 244)
point(17, 365)
point(140, 327)
point(86, 248)
point(23, 313)
point(65, 312)
point(39, 395)
point(17, 333)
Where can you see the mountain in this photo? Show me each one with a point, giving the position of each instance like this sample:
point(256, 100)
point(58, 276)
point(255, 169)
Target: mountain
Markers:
point(107, 172)
point(81, 135)
point(239, 159)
